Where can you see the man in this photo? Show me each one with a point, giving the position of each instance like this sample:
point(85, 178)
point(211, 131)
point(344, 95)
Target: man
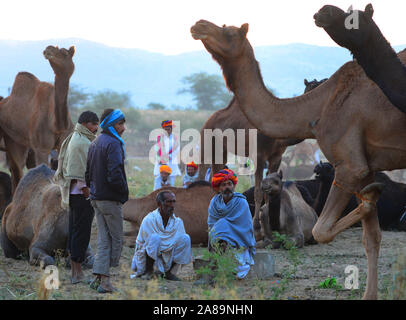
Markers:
point(162, 241)
point(163, 179)
point(70, 175)
point(191, 174)
point(105, 175)
point(168, 149)
point(230, 221)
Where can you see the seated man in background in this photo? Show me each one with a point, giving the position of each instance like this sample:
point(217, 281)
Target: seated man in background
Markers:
point(163, 179)
point(162, 241)
point(191, 174)
point(230, 221)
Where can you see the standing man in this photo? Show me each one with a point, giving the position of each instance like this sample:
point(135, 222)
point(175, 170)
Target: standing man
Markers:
point(105, 175)
point(162, 241)
point(230, 221)
point(70, 175)
point(168, 149)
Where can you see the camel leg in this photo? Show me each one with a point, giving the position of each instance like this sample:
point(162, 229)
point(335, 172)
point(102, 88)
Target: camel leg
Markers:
point(41, 157)
point(30, 162)
point(17, 155)
point(371, 240)
point(258, 196)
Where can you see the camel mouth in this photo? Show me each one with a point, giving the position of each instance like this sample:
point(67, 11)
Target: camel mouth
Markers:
point(198, 36)
point(47, 55)
point(318, 20)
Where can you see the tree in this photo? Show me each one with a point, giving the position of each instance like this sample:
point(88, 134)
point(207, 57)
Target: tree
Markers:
point(156, 106)
point(108, 99)
point(208, 91)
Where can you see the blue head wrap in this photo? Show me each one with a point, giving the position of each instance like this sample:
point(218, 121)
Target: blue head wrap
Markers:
point(108, 123)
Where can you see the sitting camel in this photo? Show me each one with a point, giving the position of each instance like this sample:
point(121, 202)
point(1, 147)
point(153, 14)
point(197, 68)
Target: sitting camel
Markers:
point(369, 47)
point(34, 220)
point(192, 206)
point(285, 211)
point(35, 115)
point(312, 84)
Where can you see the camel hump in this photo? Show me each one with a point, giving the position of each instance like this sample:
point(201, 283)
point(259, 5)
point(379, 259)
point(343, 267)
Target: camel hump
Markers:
point(199, 183)
point(33, 177)
point(24, 84)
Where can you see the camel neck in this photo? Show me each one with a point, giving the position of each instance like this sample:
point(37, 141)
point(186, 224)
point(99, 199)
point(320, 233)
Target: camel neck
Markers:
point(61, 102)
point(382, 65)
point(276, 118)
point(274, 206)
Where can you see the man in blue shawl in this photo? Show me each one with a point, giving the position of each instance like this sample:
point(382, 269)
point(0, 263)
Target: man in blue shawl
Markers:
point(230, 221)
point(106, 178)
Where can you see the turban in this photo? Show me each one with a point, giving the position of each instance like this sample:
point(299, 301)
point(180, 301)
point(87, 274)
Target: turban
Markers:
point(223, 175)
point(166, 123)
point(109, 122)
point(192, 164)
point(165, 168)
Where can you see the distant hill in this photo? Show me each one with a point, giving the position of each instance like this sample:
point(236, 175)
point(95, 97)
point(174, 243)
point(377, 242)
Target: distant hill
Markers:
point(153, 77)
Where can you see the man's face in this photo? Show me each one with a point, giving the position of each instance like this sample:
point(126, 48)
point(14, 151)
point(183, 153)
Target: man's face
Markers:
point(92, 126)
point(120, 127)
point(191, 171)
point(227, 189)
point(168, 130)
point(164, 175)
point(168, 206)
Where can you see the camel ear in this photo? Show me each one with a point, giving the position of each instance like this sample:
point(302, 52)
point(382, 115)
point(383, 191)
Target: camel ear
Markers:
point(280, 174)
point(244, 29)
point(306, 82)
point(369, 10)
point(72, 51)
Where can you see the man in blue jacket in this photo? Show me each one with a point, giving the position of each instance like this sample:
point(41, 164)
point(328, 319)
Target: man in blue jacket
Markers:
point(105, 175)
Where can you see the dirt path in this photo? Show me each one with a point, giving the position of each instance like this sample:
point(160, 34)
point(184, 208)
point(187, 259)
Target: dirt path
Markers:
point(19, 280)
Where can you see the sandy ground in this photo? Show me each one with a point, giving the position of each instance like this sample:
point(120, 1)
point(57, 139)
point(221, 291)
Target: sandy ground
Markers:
point(315, 263)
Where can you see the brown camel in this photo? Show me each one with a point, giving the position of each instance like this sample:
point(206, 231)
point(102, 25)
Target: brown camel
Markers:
point(34, 221)
point(368, 45)
point(191, 205)
point(43, 119)
point(355, 125)
point(285, 211)
point(271, 150)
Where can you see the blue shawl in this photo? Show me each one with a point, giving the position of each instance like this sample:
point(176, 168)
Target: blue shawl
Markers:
point(231, 222)
point(108, 123)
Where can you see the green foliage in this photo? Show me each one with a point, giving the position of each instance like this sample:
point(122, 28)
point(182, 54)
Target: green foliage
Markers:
point(156, 106)
point(208, 91)
point(330, 283)
point(221, 265)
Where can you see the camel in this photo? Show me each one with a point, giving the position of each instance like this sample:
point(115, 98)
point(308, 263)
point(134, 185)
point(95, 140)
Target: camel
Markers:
point(271, 150)
point(355, 125)
point(285, 211)
point(34, 221)
point(5, 191)
point(43, 119)
point(369, 47)
point(192, 205)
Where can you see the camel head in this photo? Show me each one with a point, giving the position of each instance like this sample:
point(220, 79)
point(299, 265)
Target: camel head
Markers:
point(272, 183)
point(343, 28)
point(324, 172)
point(60, 59)
point(223, 43)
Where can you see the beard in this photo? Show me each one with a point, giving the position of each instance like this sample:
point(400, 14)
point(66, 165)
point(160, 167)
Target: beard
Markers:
point(227, 193)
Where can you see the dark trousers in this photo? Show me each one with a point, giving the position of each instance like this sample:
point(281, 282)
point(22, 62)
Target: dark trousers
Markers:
point(81, 215)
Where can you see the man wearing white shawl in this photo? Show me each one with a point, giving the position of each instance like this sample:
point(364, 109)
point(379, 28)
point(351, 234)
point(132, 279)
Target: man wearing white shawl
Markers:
point(162, 241)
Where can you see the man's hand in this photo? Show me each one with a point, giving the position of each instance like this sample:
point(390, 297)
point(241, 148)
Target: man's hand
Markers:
point(86, 192)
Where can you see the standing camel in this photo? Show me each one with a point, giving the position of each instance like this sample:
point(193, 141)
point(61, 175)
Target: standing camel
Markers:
point(35, 115)
point(271, 150)
point(355, 125)
point(368, 45)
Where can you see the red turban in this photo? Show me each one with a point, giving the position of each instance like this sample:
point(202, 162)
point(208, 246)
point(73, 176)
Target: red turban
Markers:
point(223, 175)
point(192, 164)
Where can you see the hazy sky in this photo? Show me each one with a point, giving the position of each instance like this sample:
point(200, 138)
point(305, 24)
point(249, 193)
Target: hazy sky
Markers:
point(164, 25)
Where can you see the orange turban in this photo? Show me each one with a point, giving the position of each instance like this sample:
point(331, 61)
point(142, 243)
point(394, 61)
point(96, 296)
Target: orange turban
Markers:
point(223, 175)
point(165, 168)
point(192, 164)
point(166, 123)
